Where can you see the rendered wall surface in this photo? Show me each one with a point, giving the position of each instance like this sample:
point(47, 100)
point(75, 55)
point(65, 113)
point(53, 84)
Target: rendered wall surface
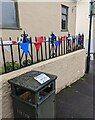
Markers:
point(39, 18)
point(69, 68)
point(83, 21)
point(82, 17)
point(42, 18)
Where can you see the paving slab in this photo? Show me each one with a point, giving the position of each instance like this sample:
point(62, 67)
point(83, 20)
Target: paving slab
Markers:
point(77, 100)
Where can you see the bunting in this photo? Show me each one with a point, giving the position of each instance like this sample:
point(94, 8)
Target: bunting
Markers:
point(24, 47)
point(37, 45)
point(14, 42)
point(56, 43)
point(52, 37)
point(60, 40)
point(73, 40)
point(68, 35)
point(24, 43)
point(40, 39)
point(20, 39)
point(69, 38)
point(63, 37)
point(80, 39)
point(82, 36)
point(27, 40)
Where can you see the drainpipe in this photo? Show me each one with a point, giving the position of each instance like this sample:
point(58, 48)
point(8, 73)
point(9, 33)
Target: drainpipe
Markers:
point(89, 40)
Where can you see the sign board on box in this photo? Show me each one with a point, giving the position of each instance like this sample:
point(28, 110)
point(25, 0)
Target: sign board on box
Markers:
point(42, 78)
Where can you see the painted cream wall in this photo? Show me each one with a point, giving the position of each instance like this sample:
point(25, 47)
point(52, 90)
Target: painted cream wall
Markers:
point(60, 66)
point(82, 22)
point(82, 18)
point(39, 18)
point(42, 18)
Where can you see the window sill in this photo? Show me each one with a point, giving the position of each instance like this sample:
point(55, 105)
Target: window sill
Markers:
point(64, 30)
point(12, 28)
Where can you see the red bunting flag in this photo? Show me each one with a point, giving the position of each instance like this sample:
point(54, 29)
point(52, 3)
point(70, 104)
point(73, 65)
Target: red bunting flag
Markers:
point(63, 38)
point(40, 39)
point(14, 42)
point(60, 41)
point(75, 47)
point(37, 45)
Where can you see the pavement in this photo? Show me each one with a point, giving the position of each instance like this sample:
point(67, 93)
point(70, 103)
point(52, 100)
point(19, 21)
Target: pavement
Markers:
point(76, 101)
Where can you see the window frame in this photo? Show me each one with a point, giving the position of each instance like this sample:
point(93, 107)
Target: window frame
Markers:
point(67, 8)
point(17, 19)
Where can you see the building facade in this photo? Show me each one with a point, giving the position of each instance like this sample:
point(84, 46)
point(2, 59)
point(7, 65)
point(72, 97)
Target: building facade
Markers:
point(39, 18)
point(42, 18)
point(83, 21)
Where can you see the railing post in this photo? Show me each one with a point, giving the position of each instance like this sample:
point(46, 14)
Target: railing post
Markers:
point(45, 48)
point(12, 54)
point(19, 53)
point(49, 48)
point(31, 50)
point(64, 46)
point(37, 51)
point(3, 56)
point(41, 51)
point(59, 49)
point(56, 51)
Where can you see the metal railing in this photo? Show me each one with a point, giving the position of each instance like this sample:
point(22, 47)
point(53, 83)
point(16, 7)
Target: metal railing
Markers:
point(48, 50)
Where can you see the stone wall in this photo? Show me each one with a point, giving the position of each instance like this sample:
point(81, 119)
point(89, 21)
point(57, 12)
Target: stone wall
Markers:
point(69, 68)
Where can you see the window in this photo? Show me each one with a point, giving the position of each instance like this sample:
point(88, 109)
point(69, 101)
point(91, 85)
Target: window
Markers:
point(8, 14)
point(64, 18)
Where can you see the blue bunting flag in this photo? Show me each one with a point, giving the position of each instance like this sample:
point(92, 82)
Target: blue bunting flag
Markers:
point(68, 35)
point(27, 40)
point(24, 47)
point(56, 43)
point(52, 37)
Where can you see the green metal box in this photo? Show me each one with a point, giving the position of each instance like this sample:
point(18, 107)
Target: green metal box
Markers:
point(32, 99)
